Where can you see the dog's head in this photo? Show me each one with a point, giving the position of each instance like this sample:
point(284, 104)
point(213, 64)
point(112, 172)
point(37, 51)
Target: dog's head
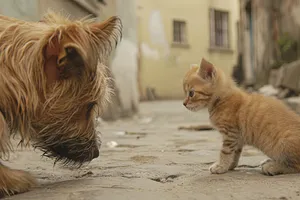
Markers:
point(72, 86)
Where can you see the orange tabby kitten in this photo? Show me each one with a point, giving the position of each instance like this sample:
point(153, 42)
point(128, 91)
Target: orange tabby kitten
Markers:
point(244, 119)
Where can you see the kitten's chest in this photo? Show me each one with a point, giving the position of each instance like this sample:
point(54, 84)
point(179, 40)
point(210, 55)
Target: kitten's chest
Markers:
point(225, 125)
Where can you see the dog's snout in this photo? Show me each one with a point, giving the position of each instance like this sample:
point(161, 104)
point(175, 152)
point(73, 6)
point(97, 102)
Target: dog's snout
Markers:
point(184, 103)
point(96, 153)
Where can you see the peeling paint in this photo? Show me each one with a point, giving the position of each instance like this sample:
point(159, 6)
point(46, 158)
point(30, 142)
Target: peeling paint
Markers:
point(124, 68)
point(157, 31)
point(148, 52)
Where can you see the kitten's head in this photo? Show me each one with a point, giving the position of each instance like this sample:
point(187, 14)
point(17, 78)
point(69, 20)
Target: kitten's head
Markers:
point(199, 85)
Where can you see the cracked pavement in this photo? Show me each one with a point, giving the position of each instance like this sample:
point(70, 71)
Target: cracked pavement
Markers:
point(147, 157)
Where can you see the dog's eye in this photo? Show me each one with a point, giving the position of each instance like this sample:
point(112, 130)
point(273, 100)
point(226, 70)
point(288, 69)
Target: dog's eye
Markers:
point(191, 93)
point(91, 106)
point(70, 50)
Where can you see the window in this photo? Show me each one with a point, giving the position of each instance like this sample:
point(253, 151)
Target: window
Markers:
point(219, 29)
point(179, 32)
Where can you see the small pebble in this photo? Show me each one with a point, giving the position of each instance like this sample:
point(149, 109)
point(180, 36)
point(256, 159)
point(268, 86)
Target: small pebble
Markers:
point(112, 144)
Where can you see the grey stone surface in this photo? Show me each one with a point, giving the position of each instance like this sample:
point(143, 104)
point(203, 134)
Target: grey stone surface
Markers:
point(293, 103)
point(291, 76)
point(276, 76)
point(154, 160)
point(268, 90)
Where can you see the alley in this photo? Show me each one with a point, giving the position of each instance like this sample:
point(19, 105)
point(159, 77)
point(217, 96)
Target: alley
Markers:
point(147, 157)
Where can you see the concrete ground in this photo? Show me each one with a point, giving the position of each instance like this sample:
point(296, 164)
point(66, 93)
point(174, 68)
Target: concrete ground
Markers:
point(154, 160)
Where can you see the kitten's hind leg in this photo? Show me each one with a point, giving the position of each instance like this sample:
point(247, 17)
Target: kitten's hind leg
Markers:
point(271, 168)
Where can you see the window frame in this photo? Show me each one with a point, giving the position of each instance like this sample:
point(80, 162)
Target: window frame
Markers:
point(179, 31)
point(217, 42)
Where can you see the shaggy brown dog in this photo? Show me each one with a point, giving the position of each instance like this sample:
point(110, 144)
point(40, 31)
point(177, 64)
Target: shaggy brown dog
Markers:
point(51, 79)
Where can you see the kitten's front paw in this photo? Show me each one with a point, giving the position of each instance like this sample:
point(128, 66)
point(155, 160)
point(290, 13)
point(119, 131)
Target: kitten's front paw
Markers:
point(216, 168)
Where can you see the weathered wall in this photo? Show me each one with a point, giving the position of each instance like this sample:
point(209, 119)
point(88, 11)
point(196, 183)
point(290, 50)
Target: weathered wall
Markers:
point(263, 40)
point(124, 64)
point(123, 61)
point(67, 6)
point(257, 40)
point(23, 9)
point(270, 20)
point(290, 17)
point(164, 64)
point(289, 23)
point(245, 42)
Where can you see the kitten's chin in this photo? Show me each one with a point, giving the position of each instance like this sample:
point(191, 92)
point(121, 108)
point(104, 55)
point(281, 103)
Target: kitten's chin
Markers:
point(195, 108)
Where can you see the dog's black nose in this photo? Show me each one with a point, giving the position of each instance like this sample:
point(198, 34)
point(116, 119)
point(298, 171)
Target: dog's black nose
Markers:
point(96, 153)
point(184, 103)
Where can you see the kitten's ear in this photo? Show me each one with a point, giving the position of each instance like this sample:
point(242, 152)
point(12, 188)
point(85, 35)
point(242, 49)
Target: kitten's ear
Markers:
point(108, 32)
point(206, 70)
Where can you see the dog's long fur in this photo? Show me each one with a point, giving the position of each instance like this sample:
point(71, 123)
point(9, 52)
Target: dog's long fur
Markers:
point(51, 79)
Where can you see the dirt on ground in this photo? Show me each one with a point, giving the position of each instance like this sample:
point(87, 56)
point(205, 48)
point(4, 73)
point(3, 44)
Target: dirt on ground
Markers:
point(147, 157)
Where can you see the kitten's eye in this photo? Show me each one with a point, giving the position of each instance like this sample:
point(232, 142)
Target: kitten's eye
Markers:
point(191, 93)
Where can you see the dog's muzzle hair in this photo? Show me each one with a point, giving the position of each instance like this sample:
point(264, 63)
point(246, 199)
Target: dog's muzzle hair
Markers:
point(52, 82)
point(73, 150)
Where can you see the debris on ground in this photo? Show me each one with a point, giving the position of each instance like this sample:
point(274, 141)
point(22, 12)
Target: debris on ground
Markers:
point(248, 166)
point(145, 120)
point(204, 127)
point(268, 90)
point(120, 133)
point(293, 103)
point(143, 159)
point(166, 179)
point(285, 93)
point(112, 144)
point(89, 173)
point(137, 134)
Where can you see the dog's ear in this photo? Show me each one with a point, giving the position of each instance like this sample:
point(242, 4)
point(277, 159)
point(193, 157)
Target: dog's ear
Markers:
point(108, 32)
point(63, 58)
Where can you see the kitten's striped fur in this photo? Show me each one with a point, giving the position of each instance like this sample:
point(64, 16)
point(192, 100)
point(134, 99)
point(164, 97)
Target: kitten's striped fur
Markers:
point(244, 119)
